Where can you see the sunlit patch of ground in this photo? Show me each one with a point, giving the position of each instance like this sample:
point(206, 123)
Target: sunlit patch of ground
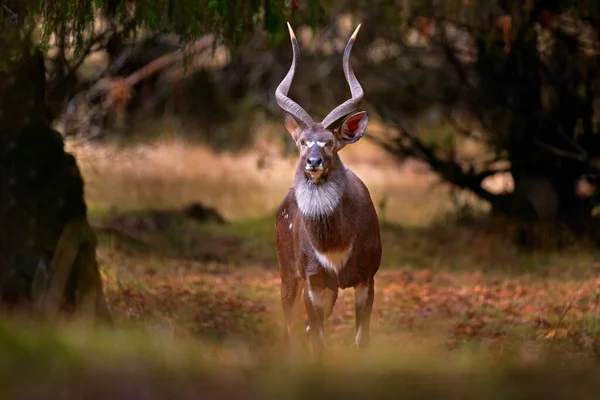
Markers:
point(166, 174)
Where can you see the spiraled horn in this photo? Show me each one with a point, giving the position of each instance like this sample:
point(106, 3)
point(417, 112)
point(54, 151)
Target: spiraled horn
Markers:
point(357, 92)
point(281, 92)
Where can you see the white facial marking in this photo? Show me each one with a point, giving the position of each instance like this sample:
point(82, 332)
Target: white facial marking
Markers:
point(318, 200)
point(321, 144)
point(334, 260)
point(310, 144)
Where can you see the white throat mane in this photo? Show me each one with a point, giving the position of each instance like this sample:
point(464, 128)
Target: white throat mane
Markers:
point(318, 200)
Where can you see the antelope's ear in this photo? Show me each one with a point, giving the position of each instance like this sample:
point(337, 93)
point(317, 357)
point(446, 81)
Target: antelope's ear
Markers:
point(353, 128)
point(291, 125)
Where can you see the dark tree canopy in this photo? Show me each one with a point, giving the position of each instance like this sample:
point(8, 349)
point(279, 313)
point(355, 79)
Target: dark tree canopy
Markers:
point(232, 21)
point(527, 73)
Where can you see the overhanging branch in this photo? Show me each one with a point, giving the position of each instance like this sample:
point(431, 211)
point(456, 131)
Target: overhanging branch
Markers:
point(406, 144)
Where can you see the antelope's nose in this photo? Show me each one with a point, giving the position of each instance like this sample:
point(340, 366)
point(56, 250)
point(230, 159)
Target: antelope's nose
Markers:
point(314, 162)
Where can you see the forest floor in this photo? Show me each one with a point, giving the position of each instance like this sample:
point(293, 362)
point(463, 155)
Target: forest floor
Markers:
point(434, 289)
point(459, 311)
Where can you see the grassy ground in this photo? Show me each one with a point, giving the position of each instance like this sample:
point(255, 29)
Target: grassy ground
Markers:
point(224, 286)
point(74, 364)
point(459, 312)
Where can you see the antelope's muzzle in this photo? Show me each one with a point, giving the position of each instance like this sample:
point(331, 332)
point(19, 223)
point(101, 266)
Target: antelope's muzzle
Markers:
point(314, 162)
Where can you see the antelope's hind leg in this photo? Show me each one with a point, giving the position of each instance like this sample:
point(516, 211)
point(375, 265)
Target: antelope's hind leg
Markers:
point(364, 294)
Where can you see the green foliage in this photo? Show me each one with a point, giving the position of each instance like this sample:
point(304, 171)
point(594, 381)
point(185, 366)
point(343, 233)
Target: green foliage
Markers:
point(231, 20)
point(73, 21)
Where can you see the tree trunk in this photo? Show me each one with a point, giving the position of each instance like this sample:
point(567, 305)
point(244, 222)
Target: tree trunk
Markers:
point(47, 248)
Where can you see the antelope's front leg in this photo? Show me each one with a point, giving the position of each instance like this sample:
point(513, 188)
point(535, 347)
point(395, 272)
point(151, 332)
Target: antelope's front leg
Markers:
point(290, 293)
point(318, 300)
point(364, 294)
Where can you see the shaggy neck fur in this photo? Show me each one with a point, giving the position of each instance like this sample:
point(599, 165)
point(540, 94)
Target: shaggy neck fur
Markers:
point(316, 200)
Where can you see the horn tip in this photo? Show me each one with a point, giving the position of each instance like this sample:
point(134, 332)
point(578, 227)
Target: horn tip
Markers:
point(292, 35)
point(356, 32)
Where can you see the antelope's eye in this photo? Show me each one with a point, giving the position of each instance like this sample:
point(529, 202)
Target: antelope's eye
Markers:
point(302, 142)
point(329, 143)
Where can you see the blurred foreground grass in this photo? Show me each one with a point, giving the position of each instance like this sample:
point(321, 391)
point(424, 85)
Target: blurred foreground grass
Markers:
point(74, 363)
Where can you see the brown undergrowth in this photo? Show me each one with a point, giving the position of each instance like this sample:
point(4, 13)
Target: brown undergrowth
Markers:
point(505, 315)
point(442, 281)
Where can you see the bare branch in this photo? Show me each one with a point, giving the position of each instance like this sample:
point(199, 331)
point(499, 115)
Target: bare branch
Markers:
point(407, 144)
point(11, 12)
point(13, 16)
point(115, 92)
point(85, 52)
point(168, 59)
point(560, 152)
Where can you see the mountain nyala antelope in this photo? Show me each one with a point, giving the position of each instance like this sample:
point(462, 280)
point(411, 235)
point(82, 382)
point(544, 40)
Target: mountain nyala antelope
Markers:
point(327, 230)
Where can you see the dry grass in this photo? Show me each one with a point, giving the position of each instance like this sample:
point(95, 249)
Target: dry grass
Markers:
point(167, 174)
point(77, 363)
point(502, 315)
